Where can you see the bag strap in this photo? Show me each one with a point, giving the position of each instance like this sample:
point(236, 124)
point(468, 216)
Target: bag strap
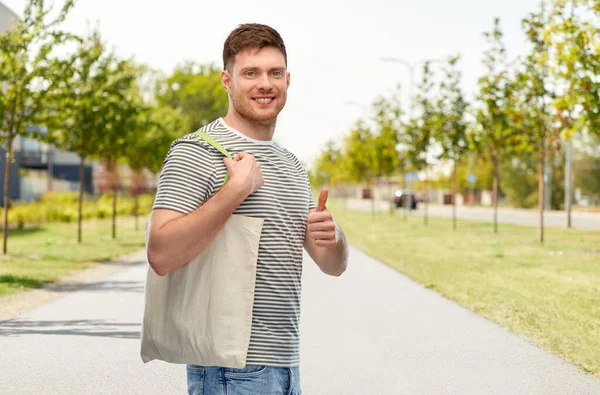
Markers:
point(218, 147)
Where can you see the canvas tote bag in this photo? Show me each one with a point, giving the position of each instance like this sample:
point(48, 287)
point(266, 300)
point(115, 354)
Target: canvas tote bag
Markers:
point(201, 313)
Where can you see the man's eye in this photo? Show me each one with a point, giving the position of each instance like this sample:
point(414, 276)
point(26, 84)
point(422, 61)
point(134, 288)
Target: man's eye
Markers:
point(250, 73)
point(277, 74)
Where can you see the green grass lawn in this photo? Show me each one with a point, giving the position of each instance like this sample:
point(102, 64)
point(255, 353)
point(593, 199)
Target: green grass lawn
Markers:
point(550, 294)
point(41, 255)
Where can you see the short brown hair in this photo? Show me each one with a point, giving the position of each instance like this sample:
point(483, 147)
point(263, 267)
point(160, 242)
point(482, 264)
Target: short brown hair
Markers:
point(251, 35)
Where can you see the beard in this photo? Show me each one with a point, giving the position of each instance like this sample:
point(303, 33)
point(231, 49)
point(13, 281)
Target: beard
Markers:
point(252, 112)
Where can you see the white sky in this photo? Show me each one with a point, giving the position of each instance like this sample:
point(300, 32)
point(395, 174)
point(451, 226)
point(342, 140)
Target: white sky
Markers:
point(334, 46)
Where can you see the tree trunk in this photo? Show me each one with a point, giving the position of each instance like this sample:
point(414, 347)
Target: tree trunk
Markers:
point(495, 192)
point(568, 180)
point(135, 211)
point(389, 192)
point(405, 203)
point(541, 188)
point(80, 202)
point(114, 213)
point(6, 196)
point(454, 190)
point(372, 193)
point(426, 198)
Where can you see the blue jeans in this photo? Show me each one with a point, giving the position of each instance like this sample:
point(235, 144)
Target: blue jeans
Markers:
point(250, 380)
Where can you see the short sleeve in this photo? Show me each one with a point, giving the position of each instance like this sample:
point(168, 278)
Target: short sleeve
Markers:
point(302, 170)
point(187, 177)
point(311, 202)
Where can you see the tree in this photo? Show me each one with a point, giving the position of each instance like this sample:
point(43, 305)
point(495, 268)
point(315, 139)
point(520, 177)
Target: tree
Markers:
point(385, 140)
point(358, 152)
point(589, 56)
point(420, 131)
point(532, 102)
point(25, 65)
point(451, 130)
point(481, 166)
point(573, 28)
point(519, 180)
point(155, 129)
point(325, 167)
point(89, 84)
point(492, 134)
point(123, 114)
point(197, 91)
point(587, 169)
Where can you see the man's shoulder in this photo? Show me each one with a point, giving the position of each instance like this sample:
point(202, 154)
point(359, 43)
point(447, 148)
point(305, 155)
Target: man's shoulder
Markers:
point(292, 157)
point(193, 137)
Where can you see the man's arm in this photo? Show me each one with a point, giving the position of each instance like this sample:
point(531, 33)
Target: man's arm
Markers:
point(324, 241)
point(176, 238)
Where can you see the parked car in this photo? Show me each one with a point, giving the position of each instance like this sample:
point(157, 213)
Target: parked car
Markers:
point(401, 196)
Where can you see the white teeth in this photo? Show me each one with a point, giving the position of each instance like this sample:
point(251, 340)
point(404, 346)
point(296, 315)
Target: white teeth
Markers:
point(264, 99)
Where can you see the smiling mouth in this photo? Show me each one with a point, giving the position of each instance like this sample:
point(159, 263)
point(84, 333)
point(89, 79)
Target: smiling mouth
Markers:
point(263, 100)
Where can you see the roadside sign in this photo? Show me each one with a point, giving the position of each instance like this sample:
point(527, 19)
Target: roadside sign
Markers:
point(411, 176)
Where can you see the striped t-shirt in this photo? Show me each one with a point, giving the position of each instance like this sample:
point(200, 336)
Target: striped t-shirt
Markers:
point(193, 171)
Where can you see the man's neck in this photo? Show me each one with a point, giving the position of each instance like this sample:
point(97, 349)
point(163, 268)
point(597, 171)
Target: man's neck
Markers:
point(254, 130)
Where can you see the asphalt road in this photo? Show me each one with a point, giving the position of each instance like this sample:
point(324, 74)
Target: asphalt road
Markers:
point(370, 331)
point(555, 219)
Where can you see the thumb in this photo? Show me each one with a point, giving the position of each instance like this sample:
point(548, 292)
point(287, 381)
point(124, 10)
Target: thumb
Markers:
point(322, 200)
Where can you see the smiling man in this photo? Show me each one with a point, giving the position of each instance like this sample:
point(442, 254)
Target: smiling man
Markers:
point(266, 181)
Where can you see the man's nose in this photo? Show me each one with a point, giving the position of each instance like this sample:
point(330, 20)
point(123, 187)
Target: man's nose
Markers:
point(265, 82)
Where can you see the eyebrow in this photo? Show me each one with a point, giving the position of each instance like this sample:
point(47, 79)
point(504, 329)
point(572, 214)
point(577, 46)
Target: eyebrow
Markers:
point(277, 68)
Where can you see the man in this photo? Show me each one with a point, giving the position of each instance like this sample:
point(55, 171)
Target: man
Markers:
point(266, 181)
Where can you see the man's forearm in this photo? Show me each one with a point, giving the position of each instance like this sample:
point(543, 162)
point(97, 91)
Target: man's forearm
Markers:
point(334, 260)
point(180, 240)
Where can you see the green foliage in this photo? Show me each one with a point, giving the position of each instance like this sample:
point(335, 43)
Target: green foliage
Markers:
point(519, 180)
point(421, 129)
point(574, 38)
point(156, 128)
point(329, 168)
point(482, 168)
point(91, 90)
point(62, 207)
point(195, 90)
point(358, 147)
point(26, 70)
point(492, 132)
point(451, 124)
point(386, 137)
point(586, 166)
point(43, 254)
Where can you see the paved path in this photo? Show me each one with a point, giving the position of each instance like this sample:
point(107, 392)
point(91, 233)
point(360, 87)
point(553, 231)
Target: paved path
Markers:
point(371, 331)
point(555, 219)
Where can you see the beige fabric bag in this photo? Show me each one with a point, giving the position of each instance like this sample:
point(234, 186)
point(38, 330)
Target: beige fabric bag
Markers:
point(201, 313)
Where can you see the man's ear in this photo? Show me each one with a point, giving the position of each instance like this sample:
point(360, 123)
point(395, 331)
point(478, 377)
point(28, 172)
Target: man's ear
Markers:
point(288, 79)
point(226, 80)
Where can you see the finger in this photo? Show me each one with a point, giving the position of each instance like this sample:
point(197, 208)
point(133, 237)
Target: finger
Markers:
point(321, 227)
point(229, 164)
point(322, 199)
point(323, 216)
point(325, 243)
point(330, 235)
point(242, 155)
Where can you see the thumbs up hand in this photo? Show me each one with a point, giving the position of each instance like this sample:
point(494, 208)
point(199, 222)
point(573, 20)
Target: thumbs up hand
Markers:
point(320, 226)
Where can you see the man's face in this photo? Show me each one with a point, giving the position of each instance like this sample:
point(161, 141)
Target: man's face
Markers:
point(257, 84)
